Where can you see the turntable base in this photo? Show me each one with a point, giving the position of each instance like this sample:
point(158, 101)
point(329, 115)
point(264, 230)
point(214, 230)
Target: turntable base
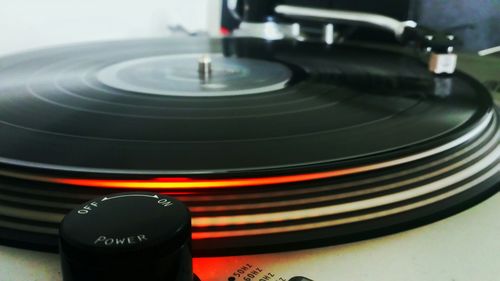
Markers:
point(462, 247)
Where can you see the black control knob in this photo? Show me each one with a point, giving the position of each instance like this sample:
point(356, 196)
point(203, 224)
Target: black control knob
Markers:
point(127, 236)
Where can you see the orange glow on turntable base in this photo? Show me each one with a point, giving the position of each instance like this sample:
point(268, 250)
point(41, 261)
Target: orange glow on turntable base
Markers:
point(195, 183)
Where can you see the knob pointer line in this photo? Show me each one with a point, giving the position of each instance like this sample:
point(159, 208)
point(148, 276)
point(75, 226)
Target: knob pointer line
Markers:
point(130, 195)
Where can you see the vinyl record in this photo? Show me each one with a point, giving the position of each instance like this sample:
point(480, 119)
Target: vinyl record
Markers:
point(273, 145)
point(141, 106)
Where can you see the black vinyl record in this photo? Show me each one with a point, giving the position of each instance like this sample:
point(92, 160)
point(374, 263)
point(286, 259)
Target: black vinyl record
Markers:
point(142, 107)
point(273, 145)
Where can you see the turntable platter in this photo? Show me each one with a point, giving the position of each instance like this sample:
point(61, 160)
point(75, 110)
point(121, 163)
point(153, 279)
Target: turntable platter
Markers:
point(272, 145)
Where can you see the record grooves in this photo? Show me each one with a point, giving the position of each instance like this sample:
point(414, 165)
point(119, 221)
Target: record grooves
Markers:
point(287, 145)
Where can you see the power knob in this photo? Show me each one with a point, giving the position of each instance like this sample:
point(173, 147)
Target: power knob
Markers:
point(127, 236)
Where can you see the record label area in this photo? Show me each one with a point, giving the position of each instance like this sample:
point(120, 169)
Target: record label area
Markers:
point(180, 75)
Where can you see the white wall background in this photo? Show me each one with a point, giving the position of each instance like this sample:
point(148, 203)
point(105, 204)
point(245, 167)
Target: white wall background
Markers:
point(28, 24)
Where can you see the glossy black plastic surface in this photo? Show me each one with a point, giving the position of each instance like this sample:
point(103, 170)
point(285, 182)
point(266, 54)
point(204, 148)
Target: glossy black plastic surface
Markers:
point(127, 236)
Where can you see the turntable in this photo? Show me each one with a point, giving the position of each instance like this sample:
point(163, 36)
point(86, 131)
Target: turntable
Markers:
point(282, 143)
